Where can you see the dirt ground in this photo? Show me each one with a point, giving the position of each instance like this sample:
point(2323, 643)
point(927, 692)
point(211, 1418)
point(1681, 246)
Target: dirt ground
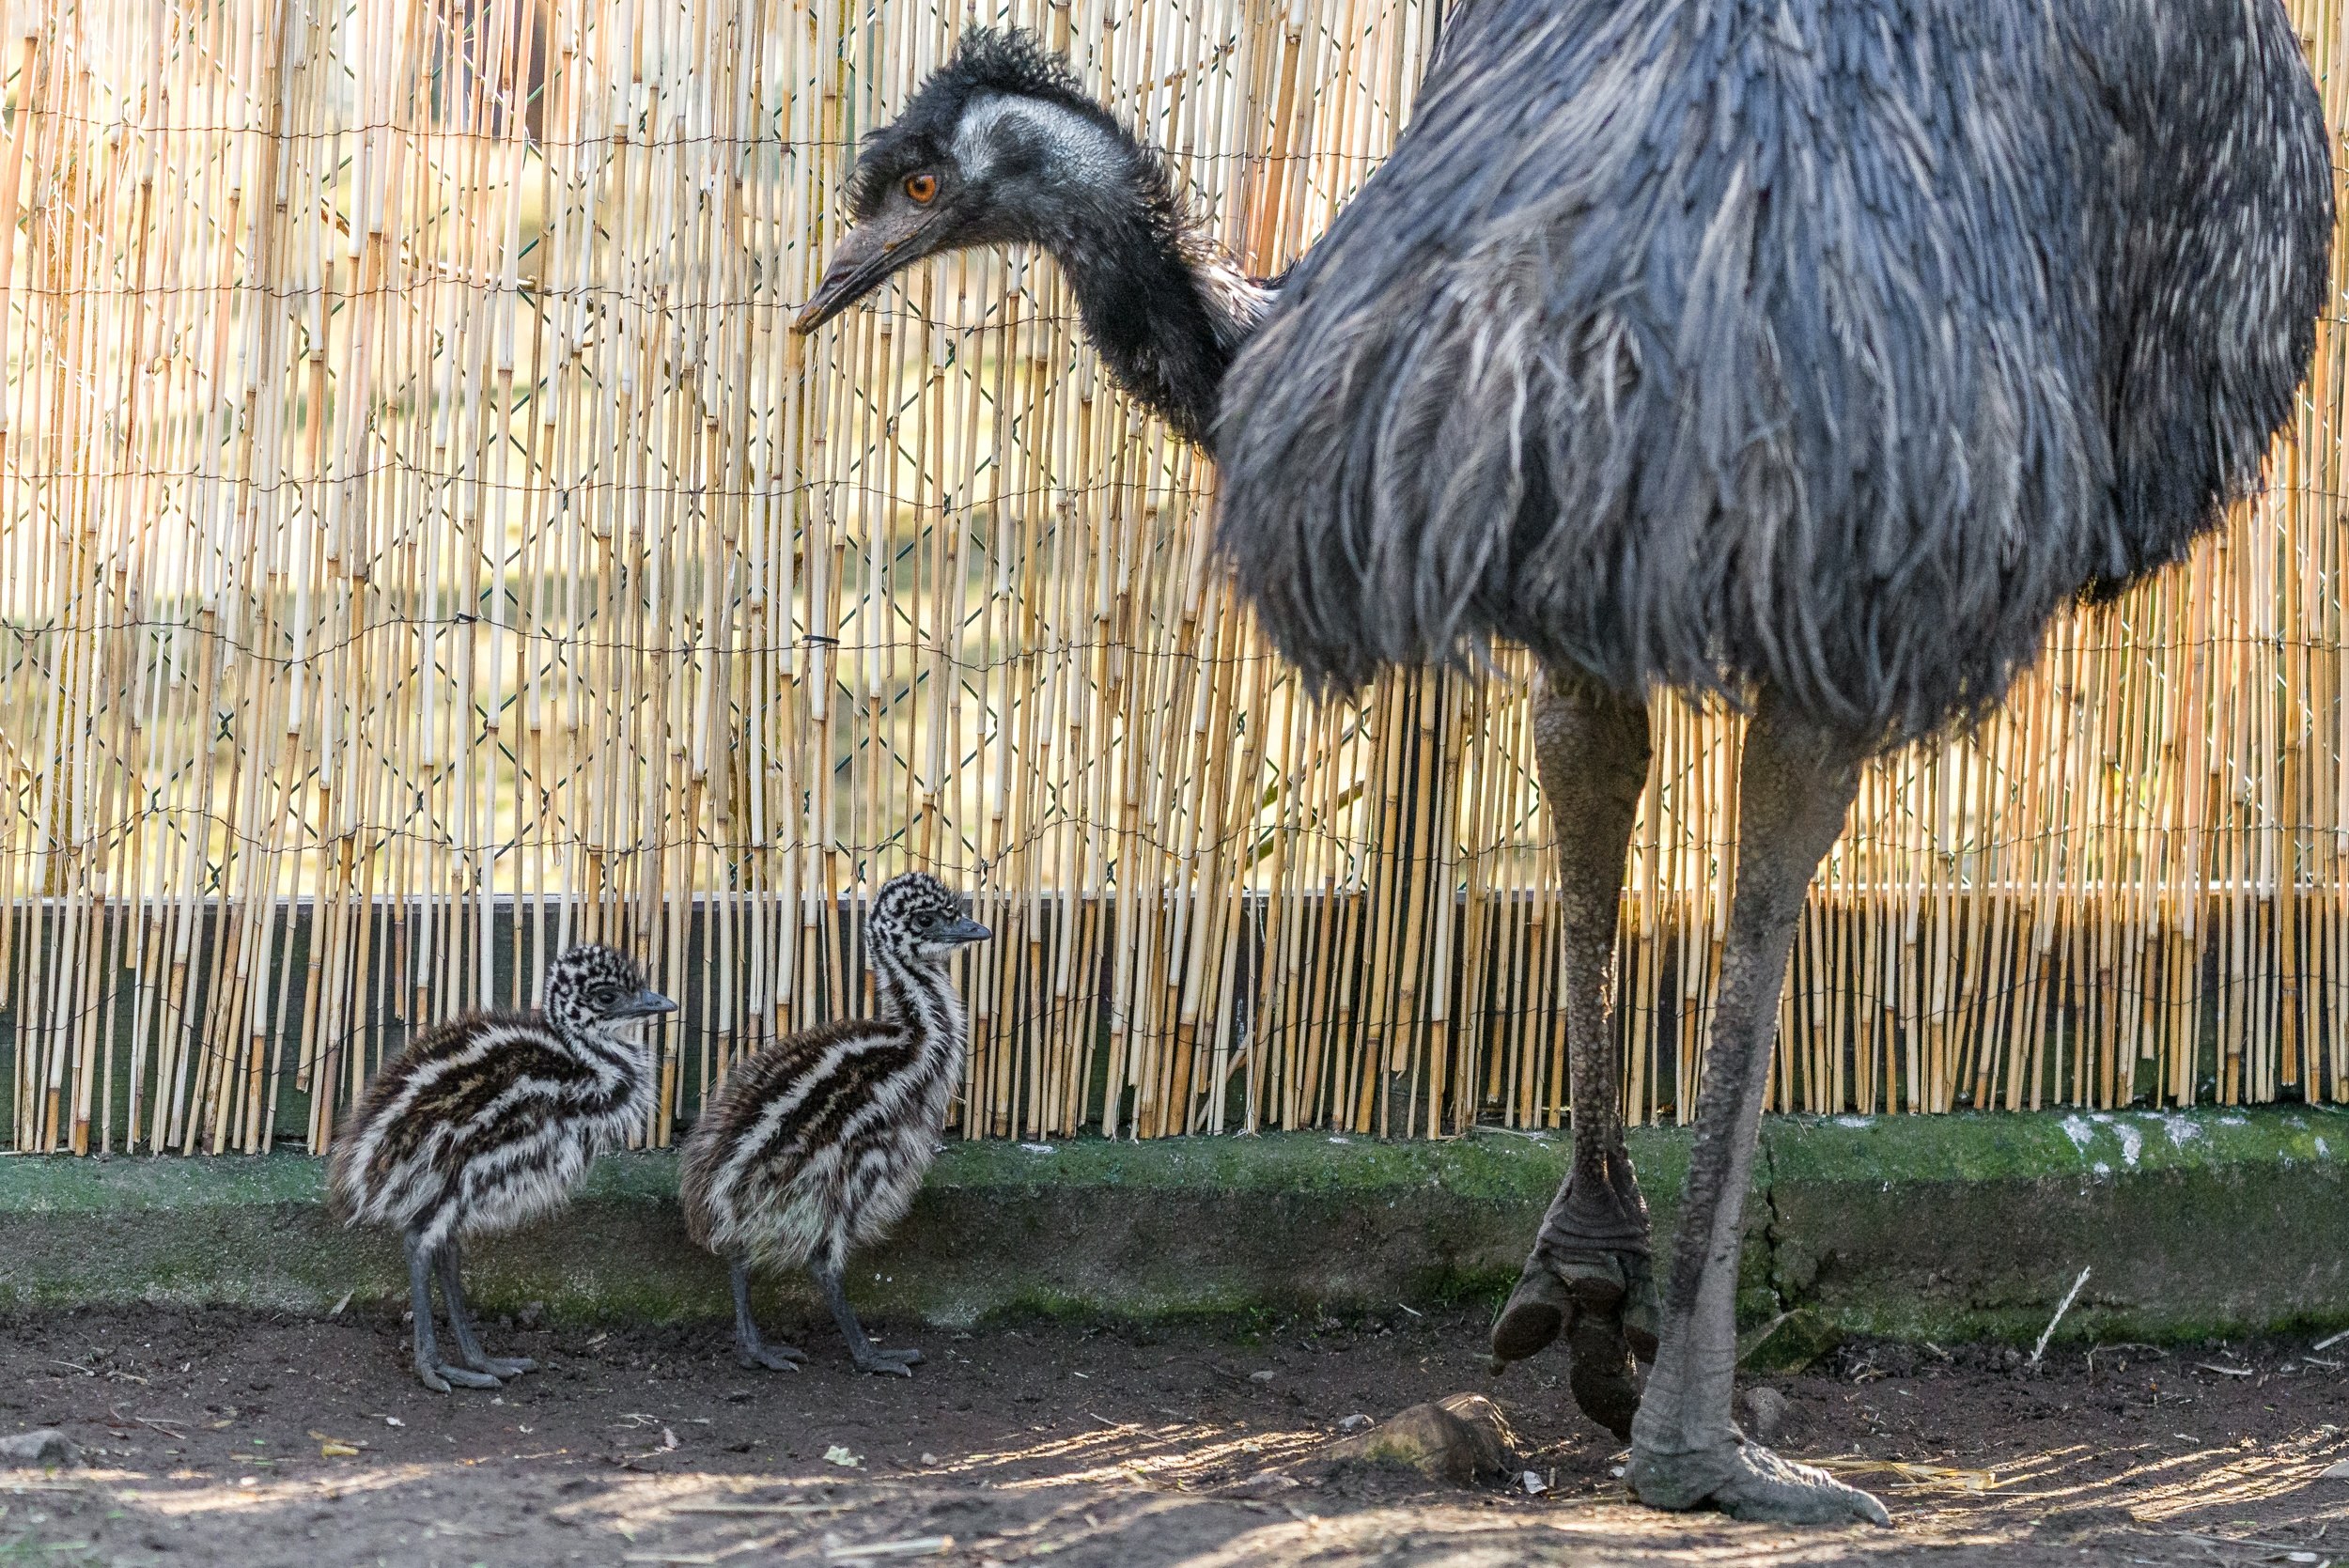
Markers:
point(218, 1438)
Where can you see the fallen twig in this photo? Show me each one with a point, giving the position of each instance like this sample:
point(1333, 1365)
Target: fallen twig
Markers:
point(2239, 1540)
point(694, 1560)
point(920, 1545)
point(2062, 1307)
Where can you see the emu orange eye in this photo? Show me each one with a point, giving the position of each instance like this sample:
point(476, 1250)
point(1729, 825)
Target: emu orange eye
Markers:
point(922, 188)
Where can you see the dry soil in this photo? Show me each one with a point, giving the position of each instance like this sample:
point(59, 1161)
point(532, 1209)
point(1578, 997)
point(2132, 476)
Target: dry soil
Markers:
point(231, 1438)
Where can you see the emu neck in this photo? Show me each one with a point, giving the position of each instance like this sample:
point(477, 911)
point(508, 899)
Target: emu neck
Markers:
point(621, 1046)
point(920, 999)
point(1166, 310)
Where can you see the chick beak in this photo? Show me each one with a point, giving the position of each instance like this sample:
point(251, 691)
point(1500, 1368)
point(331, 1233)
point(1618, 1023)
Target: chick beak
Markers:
point(645, 1004)
point(965, 931)
point(862, 262)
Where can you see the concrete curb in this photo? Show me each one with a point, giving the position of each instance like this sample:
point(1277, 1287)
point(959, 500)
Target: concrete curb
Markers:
point(1940, 1227)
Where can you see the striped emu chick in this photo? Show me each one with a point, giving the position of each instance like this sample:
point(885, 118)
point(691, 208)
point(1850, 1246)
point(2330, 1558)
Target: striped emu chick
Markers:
point(489, 1121)
point(818, 1142)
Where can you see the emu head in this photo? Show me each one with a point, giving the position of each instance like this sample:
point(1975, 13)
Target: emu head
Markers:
point(589, 985)
point(916, 918)
point(1000, 146)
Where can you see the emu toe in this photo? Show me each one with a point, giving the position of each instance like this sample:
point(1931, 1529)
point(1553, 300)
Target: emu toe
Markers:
point(772, 1357)
point(439, 1377)
point(1606, 1385)
point(1746, 1480)
point(1604, 1380)
point(503, 1367)
point(1642, 1320)
point(1538, 1311)
point(889, 1363)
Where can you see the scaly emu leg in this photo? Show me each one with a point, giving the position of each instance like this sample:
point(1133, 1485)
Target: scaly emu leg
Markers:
point(750, 1351)
point(887, 1363)
point(1794, 788)
point(460, 1321)
point(1588, 1275)
point(430, 1371)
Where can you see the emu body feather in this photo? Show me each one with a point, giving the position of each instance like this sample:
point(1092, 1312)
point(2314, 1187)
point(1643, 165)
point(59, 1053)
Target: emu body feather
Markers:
point(1828, 344)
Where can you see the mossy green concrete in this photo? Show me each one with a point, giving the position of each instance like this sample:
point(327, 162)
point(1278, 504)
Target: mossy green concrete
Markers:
point(1923, 1227)
point(2190, 1222)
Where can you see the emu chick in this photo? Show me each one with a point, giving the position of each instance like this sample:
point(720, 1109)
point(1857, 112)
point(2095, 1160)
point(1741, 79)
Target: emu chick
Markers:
point(490, 1120)
point(818, 1143)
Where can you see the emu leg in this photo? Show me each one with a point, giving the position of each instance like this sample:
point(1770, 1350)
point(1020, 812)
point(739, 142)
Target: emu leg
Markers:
point(1588, 1276)
point(887, 1363)
point(460, 1323)
point(430, 1371)
point(1795, 787)
point(750, 1351)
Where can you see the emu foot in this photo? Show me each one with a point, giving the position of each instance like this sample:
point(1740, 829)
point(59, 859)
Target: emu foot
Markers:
point(1746, 1481)
point(439, 1376)
point(1604, 1304)
point(502, 1367)
point(889, 1363)
point(773, 1358)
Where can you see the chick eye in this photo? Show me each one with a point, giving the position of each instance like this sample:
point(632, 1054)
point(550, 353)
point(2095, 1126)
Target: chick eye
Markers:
point(922, 187)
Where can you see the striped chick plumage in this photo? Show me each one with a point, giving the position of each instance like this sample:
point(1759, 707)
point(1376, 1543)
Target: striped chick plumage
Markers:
point(818, 1144)
point(490, 1120)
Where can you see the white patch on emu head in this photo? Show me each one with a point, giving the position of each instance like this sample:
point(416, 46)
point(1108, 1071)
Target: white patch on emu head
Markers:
point(1081, 149)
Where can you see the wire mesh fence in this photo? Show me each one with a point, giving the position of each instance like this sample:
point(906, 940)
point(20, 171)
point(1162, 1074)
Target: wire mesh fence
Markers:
point(423, 545)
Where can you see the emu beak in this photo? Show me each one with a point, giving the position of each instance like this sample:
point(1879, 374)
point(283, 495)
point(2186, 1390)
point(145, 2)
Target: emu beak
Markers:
point(645, 1004)
point(965, 931)
point(862, 262)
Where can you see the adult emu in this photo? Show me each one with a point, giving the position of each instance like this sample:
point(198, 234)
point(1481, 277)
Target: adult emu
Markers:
point(1805, 354)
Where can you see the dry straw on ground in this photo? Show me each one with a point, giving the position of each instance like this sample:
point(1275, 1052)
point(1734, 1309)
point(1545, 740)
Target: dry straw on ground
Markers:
point(423, 545)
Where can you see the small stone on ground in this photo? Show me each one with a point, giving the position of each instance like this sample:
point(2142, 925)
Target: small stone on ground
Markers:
point(1457, 1440)
point(47, 1446)
point(1763, 1412)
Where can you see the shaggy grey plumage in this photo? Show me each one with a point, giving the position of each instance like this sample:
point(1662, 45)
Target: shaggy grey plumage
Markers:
point(1832, 344)
point(817, 1143)
point(490, 1120)
point(1020, 155)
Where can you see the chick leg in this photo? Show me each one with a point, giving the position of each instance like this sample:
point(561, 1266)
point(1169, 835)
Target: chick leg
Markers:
point(749, 1349)
point(887, 1363)
point(460, 1323)
point(430, 1371)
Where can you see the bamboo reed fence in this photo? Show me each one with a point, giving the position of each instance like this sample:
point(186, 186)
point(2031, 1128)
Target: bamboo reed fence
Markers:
point(423, 545)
